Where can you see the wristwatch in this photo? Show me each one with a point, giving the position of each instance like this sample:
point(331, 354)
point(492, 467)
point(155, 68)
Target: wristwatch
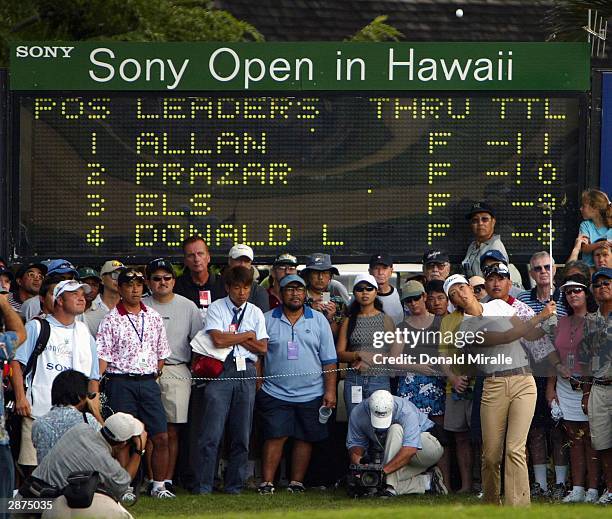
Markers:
point(141, 453)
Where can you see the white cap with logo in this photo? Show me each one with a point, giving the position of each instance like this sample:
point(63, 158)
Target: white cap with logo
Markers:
point(381, 409)
point(238, 251)
point(69, 285)
point(455, 279)
point(365, 278)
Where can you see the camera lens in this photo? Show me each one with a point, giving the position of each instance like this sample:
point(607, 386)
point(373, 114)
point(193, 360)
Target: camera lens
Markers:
point(369, 479)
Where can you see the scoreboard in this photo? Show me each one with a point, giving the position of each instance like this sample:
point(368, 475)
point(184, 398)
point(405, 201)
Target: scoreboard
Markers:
point(130, 170)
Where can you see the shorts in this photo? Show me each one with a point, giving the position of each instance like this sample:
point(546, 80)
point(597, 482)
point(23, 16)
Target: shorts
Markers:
point(27, 452)
point(299, 420)
point(458, 415)
point(600, 417)
point(139, 397)
point(175, 386)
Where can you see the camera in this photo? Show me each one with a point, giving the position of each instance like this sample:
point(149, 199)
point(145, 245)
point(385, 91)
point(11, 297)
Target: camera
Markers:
point(365, 479)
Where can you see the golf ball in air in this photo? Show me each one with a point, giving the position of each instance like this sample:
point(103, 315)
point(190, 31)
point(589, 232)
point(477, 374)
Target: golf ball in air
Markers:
point(459, 13)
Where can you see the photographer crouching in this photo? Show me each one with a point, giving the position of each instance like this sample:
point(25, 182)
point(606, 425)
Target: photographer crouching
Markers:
point(82, 474)
point(390, 451)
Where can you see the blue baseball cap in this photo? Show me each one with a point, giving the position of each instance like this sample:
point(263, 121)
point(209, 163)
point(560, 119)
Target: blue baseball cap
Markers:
point(291, 278)
point(493, 254)
point(61, 266)
point(602, 272)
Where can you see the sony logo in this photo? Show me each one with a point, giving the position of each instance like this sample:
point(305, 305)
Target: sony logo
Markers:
point(36, 51)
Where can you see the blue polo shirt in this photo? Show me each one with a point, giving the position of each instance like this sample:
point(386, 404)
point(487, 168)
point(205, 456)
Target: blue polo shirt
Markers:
point(316, 349)
point(405, 413)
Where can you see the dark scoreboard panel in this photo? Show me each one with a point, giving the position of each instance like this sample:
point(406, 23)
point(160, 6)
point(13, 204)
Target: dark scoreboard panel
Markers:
point(117, 174)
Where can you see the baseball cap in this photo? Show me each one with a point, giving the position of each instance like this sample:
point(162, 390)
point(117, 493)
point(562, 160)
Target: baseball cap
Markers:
point(571, 283)
point(496, 269)
point(111, 266)
point(381, 259)
point(121, 427)
point(88, 272)
point(291, 278)
point(604, 272)
point(238, 251)
point(455, 279)
point(435, 256)
point(6, 272)
point(69, 285)
point(61, 266)
point(493, 254)
point(159, 264)
point(285, 259)
point(27, 266)
point(412, 288)
point(320, 261)
point(381, 409)
point(480, 207)
point(476, 280)
point(127, 275)
point(365, 278)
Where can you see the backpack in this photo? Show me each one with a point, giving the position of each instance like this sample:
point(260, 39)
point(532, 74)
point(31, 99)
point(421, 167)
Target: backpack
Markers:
point(39, 347)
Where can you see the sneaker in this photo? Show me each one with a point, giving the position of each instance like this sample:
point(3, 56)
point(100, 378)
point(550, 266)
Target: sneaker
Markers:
point(129, 498)
point(437, 482)
point(606, 498)
point(162, 493)
point(387, 492)
point(296, 487)
point(592, 496)
point(577, 495)
point(536, 491)
point(266, 488)
point(170, 487)
point(558, 492)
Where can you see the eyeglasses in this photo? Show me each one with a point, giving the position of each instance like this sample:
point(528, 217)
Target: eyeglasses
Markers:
point(575, 290)
point(413, 299)
point(286, 268)
point(157, 279)
point(114, 274)
point(540, 268)
point(600, 284)
point(481, 219)
point(296, 290)
point(478, 289)
point(34, 275)
point(364, 288)
point(436, 264)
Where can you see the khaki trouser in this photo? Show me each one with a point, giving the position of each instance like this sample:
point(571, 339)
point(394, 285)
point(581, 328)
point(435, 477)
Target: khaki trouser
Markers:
point(102, 507)
point(506, 410)
point(408, 480)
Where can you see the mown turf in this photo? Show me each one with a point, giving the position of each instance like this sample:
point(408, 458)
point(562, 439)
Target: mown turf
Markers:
point(315, 504)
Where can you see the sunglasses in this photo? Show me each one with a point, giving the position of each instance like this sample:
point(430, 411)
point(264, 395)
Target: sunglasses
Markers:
point(167, 277)
point(364, 288)
point(575, 290)
point(412, 299)
point(134, 276)
point(541, 268)
point(482, 219)
point(478, 289)
point(601, 284)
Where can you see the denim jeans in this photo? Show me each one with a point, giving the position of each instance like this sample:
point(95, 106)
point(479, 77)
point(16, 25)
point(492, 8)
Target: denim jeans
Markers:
point(368, 384)
point(232, 402)
point(7, 475)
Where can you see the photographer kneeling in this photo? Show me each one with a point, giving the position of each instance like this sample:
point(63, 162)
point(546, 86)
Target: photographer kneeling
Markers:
point(388, 434)
point(83, 450)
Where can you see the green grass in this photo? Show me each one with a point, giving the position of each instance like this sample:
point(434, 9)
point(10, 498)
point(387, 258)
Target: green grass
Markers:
point(316, 504)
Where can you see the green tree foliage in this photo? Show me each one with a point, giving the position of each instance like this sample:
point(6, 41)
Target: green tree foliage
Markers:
point(377, 30)
point(567, 17)
point(121, 20)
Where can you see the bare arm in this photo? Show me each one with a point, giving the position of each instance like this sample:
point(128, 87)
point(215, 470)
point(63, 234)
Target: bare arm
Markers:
point(227, 339)
point(355, 454)
point(329, 381)
point(257, 346)
point(401, 459)
point(519, 328)
point(12, 321)
point(22, 406)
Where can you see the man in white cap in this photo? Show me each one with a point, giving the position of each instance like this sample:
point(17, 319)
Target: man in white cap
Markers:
point(83, 449)
point(395, 425)
point(242, 256)
point(69, 346)
point(108, 299)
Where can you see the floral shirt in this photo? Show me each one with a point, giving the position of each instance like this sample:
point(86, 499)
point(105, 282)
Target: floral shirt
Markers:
point(49, 428)
point(540, 348)
point(8, 344)
point(596, 347)
point(132, 343)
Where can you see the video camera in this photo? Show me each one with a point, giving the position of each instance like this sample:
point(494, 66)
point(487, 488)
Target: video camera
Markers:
point(365, 479)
